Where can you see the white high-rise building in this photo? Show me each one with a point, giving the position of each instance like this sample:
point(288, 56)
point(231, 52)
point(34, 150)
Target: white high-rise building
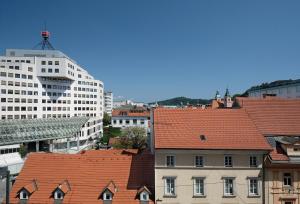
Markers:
point(108, 102)
point(49, 84)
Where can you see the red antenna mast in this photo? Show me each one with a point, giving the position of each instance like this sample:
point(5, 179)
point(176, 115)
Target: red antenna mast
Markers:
point(45, 44)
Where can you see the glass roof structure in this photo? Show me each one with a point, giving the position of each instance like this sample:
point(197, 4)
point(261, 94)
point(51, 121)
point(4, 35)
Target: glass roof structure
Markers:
point(30, 130)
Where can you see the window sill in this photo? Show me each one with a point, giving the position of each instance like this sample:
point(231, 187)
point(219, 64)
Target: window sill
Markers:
point(199, 196)
point(229, 196)
point(253, 196)
point(170, 196)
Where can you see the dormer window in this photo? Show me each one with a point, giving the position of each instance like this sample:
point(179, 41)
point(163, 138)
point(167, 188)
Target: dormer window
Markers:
point(107, 195)
point(27, 190)
point(144, 196)
point(24, 195)
point(58, 195)
point(62, 189)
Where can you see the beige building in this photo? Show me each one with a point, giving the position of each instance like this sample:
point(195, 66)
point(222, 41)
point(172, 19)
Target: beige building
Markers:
point(207, 156)
point(279, 121)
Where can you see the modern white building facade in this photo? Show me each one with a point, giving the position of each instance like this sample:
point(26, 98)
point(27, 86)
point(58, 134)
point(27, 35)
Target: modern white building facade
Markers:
point(288, 90)
point(108, 102)
point(49, 84)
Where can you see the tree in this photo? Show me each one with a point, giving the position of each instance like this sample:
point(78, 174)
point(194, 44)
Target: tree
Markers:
point(132, 138)
point(22, 151)
point(106, 119)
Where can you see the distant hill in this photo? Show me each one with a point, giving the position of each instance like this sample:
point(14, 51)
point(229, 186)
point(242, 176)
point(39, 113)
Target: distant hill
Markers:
point(182, 101)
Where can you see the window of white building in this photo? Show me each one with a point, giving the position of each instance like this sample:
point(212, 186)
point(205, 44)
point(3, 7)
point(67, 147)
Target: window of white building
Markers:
point(253, 187)
point(253, 161)
point(199, 161)
point(170, 186)
point(228, 161)
point(198, 186)
point(170, 160)
point(228, 186)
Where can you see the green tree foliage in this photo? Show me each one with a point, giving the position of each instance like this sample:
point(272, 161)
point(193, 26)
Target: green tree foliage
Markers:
point(22, 151)
point(109, 132)
point(132, 138)
point(106, 120)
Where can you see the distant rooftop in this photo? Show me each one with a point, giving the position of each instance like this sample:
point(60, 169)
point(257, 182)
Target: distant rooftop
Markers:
point(36, 53)
point(274, 84)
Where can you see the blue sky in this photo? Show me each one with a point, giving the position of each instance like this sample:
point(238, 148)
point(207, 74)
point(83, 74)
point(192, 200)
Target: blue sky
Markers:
point(158, 49)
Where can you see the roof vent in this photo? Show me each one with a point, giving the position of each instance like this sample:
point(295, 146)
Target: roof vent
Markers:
point(202, 137)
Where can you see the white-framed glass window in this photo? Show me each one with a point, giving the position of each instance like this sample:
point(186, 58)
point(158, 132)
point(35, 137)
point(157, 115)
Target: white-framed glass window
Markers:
point(170, 160)
point(170, 186)
point(107, 195)
point(253, 187)
point(144, 196)
point(253, 161)
point(58, 195)
point(198, 186)
point(24, 195)
point(199, 161)
point(228, 161)
point(228, 186)
point(287, 179)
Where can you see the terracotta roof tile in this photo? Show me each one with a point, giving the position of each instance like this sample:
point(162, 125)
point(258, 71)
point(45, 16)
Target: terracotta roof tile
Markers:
point(273, 116)
point(222, 128)
point(129, 113)
point(88, 174)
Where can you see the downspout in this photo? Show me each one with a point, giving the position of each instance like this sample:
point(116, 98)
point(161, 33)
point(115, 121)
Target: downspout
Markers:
point(263, 180)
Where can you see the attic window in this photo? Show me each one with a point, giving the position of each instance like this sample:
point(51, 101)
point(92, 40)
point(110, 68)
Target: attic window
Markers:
point(58, 195)
point(202, 137)
point(144, 196)
point(24, 195)
point(107, 195)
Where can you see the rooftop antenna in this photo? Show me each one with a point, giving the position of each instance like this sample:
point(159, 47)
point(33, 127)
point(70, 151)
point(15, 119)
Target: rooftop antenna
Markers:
point(45, 44)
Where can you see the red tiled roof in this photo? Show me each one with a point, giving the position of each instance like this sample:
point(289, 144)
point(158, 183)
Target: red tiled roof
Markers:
point(273, 116)
point(88, 174)
point(278, 154)
point(129, 113)
point(222, 128)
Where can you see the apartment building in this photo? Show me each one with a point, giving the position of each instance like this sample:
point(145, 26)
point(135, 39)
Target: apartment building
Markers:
point(207, 156)
point(108, 102)
point(131, 116)
point(44, 84)
point(279, 121)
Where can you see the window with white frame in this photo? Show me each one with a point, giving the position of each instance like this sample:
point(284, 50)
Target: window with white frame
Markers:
point(228, 186)
point(144, 196)
point(253, 161)
point(170, 186)
point(199, 161)
point(24, 195)
point(253, 187)
point(170, 160)
point(58, 195)
point(287, 179)
point(228, 161)
point(198, 186)
point(107, 195)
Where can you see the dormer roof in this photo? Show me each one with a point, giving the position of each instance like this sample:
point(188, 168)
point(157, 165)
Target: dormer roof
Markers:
point(83, 177)
point(30, 187)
